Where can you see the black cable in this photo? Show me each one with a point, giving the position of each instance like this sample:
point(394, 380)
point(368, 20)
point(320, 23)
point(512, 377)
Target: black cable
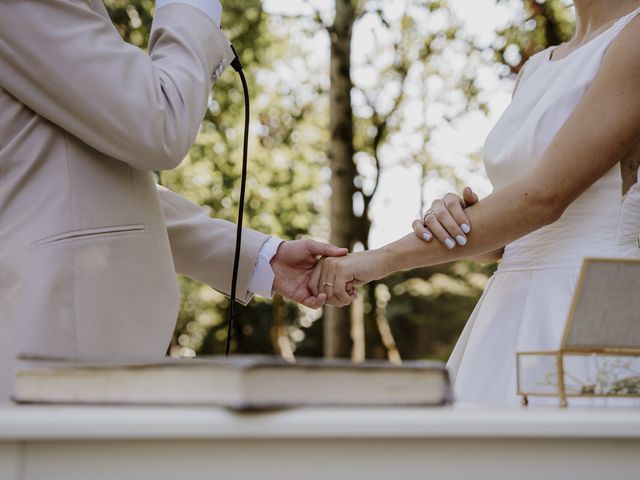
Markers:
point(237, 66)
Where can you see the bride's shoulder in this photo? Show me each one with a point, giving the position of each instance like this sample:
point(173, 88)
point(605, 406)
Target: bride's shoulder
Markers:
point(623, 55)
point(626, 42)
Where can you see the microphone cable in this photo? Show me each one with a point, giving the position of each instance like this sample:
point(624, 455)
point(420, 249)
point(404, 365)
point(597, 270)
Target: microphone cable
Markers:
point(237, 66)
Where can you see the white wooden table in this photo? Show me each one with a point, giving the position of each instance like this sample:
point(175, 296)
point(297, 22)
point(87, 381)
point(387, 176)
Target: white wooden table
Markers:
point(99, 443)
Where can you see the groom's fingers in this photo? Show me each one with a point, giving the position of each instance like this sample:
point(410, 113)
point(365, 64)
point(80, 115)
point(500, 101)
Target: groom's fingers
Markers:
point(340, 290)
point(315, 302)
point(324, 249)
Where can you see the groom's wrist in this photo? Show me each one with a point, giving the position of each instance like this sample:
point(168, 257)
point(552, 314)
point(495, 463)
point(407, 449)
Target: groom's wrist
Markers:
point(276, 264)
point(263, 277)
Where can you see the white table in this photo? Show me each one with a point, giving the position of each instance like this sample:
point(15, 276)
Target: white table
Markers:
point(99, 443)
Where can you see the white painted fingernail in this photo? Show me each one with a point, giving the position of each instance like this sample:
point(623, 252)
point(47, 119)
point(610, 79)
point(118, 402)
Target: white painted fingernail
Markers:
point(449, 243)
point(465, 228)
point(461, 240)
point(426, 236)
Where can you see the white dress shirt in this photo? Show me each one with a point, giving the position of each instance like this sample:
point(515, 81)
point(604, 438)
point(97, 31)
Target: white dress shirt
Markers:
point(212, 8)
point(261, 282)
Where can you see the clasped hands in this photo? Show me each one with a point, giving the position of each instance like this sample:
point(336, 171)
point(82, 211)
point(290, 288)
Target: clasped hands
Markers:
point(333, 278)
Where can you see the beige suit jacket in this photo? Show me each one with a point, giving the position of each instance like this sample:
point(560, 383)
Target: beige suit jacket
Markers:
point(89, 244)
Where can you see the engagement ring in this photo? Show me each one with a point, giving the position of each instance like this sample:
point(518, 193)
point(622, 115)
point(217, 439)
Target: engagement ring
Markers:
point(427, 213)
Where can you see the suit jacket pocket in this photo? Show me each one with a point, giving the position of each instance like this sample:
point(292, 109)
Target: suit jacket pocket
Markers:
point(88, 234)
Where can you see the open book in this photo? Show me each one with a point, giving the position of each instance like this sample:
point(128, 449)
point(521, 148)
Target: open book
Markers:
point(240, 382)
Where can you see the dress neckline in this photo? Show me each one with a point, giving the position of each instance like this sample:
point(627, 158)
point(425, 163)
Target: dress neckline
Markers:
point(549, 55)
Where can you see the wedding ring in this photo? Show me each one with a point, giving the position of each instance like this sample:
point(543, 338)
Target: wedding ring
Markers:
point(427, 213)
point(328, 284)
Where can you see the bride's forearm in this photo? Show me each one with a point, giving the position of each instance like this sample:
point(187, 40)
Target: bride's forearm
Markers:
point(489, 257)
point(499, 219)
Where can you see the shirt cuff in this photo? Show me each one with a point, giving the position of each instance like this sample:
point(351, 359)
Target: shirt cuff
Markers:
point(261, 282)
point(211, 8)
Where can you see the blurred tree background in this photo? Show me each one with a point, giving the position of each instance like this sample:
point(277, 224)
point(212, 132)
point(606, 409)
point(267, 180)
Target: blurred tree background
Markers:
point(320, 137)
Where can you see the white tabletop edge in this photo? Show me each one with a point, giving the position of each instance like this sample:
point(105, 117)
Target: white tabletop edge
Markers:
point(95, 422)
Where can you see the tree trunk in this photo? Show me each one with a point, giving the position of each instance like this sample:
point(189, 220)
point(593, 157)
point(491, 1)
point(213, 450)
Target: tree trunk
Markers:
point(359, 348)
point(375, 346)
point(279, 336)
point(343, 169)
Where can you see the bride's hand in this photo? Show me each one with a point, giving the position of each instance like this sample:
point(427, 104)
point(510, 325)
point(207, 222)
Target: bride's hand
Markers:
point(446, 220)
point(337, 279)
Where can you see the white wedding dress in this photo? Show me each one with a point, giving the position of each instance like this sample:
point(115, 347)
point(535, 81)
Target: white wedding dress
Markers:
point(526, 302)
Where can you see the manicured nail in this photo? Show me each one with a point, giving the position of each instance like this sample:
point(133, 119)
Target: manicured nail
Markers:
point(465, 228)
point(449, 243)
point(461, 240)
point(426, 236)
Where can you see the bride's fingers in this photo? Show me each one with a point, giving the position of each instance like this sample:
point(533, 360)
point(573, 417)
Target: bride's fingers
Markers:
point(421, 231)
point(469, 197)
point(326, 281)
point(351, 289)
point(443, 217)
point(453, 205)
point(331, 284)
point(315, 302)
point(340, 290)
point(439, 232)
point(314, 279)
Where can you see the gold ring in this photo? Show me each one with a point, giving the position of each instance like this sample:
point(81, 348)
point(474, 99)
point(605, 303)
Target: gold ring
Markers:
point(328, 284)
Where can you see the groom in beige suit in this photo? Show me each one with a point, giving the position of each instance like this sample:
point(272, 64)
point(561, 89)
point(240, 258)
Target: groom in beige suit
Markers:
point(89, 244)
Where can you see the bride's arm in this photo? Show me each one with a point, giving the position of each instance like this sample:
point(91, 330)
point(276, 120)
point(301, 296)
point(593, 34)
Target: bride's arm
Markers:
point(502, 217)
point(599, 133)
point(489, 257)
point(499, 219)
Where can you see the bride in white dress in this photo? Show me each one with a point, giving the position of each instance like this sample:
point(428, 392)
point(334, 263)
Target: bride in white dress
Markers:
point(563, 161)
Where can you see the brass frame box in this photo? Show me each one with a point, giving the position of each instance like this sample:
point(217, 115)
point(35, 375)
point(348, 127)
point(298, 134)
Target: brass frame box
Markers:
point(602, 333)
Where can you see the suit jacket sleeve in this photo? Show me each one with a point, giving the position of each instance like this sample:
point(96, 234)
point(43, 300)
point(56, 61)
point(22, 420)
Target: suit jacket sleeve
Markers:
point(203, 248)
point(67, 62)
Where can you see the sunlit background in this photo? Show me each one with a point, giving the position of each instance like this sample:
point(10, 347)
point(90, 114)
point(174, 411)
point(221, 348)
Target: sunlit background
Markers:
point(453, 144)
point(430, 78)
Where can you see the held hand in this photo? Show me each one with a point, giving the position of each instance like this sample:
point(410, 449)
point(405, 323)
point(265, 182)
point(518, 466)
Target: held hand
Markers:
point(335, 277)
point(446, 219)
point(293, 264)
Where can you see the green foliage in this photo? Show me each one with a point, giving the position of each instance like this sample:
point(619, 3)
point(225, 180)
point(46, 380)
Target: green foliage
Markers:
point(132, 19)
point(540, 25)
point(429, 307)
point(286, 158)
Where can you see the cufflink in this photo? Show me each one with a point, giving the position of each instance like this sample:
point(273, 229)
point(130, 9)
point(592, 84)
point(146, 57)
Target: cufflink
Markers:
point(218, 72)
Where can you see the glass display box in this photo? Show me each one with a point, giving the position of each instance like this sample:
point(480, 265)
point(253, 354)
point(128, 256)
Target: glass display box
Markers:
point(599, 355)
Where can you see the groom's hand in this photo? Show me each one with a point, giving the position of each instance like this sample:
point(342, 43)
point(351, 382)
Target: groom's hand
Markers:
point(292, 265)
